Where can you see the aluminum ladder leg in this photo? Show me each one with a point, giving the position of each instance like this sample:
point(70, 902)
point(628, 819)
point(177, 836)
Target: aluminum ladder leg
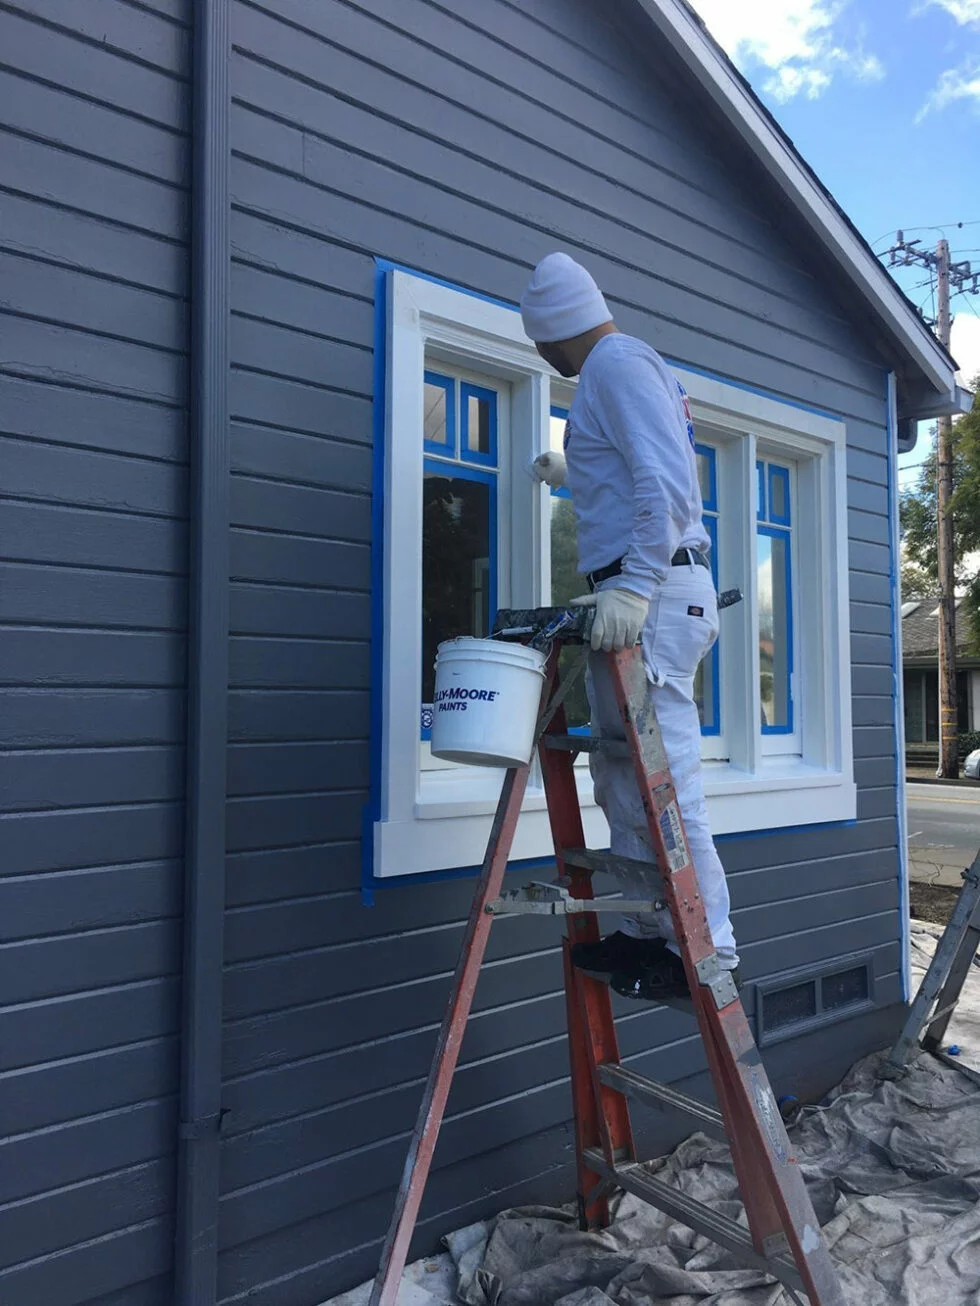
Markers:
point(934, 1004)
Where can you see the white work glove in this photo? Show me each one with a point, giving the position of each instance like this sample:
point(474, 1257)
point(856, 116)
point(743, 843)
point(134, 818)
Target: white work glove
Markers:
point(550, 468)
point(620, 616)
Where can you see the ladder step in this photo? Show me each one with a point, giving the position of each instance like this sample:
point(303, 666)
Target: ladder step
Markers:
point(588, 859)
point(639, 1089)
point(632, 1177)
point(587, 744)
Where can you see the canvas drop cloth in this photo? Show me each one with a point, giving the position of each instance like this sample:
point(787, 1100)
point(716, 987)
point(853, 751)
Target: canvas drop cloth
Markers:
point(893, 1171)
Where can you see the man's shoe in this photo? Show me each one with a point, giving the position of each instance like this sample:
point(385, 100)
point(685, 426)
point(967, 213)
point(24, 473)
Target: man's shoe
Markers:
point(616, 952)
point(661, 980)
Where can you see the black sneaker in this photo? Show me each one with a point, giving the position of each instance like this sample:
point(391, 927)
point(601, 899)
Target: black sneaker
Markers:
point(616, 952)
point(662, 980)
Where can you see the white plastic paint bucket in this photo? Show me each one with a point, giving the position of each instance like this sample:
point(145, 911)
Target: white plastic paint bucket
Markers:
point(486, 702)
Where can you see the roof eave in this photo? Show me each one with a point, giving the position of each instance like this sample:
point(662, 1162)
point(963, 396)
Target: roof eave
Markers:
point(715, 73)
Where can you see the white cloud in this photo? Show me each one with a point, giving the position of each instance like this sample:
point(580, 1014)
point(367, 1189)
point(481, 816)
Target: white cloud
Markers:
point(961, 83)
point(965, 342)
point(964, 11)
point(798, 41)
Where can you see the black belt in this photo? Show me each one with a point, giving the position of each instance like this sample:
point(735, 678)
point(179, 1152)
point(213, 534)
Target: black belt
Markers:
point(682, 558)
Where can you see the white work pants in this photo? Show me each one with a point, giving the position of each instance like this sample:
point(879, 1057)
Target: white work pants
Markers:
point(675, 639)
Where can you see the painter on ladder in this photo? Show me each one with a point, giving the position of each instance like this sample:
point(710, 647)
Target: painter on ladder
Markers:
point(631, 467)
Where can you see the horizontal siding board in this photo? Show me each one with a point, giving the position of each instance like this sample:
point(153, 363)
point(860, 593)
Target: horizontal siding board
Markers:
point(48, 173)
point(304, 509)
point(255, 397)
point(37, 289)
point(91, 1271)
point(257, 663)
point(642, 271)
point(270, 717)
point(450, 257)
point(834, 874)
point(51, 352)
point(36, 1227)
point(872, 680)
point(74, 1024)
point(301, 304)
point(73, 900)
point(321, 262)
point(275, 820)
point(93, 70)
point(269, 875)
point(39, 781)
point(79, 718)
point(136, 31)
point(303, 613)
point(293, 456)
point(320, 360)
point(422, 87)
point(60, 657)
point(868, 587)
point(82, 1149)
point(78, 241)
point(72, 596)
point(292, 768)
point(45, 533)
point(80, 419)
point(297, 560)
point(51, 841)
point(104, 1081)
point(86, 478)
point(77, 123)
point(505, 163)
point(783, 849)
point(44, 968)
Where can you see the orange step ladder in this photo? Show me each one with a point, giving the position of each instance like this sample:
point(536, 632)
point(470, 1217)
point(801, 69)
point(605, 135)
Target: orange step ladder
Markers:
point(783, 1236)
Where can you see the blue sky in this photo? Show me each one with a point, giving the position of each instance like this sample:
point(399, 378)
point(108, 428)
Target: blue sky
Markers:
point(882, 98)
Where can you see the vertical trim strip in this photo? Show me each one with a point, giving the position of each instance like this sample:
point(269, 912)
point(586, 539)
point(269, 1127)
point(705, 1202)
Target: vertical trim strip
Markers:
point(196, 1251)
point(898, 689)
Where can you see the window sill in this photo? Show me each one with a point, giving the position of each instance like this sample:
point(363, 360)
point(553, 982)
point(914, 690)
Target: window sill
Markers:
point(453, 811)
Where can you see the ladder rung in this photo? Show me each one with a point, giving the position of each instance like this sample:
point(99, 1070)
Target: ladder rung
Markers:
point(938, 1015)
point(587, 744)
point(632, 1177)
point(588, 859)
point(635, 1086)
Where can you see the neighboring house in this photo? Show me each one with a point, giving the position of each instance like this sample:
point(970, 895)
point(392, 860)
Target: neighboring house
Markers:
point(920, 665)
point(240, 402)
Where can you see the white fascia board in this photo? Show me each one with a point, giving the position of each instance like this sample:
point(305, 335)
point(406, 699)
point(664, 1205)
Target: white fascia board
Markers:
point(682, 31)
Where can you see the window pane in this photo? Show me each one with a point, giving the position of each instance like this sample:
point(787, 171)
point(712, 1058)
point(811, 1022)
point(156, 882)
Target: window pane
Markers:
point(436, 426)
point(556, 431)
point(456, 565)
point(774, 632)
point(567, 584)
point(705, 695)
point(478, 426)
point(704, 477)
point(779, 495)
point(930, 682)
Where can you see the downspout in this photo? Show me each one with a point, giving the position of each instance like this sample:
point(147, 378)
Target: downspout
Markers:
point(898, 685)
point(198, 1145)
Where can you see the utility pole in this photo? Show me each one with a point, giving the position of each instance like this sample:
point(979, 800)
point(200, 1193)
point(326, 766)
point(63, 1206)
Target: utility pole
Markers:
point(948, 759)
point(959, 277)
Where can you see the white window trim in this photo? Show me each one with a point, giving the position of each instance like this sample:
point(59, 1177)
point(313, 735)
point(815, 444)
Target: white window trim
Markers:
point(441, 820)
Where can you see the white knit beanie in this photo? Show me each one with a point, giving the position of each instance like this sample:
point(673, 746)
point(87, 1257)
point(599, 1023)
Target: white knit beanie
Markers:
point(561, 301)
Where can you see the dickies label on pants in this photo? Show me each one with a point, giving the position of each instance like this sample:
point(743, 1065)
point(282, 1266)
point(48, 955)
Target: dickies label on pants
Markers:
point(695, 612)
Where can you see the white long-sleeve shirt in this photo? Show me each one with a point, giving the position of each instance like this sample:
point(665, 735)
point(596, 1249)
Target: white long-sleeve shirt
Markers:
point(632, 469)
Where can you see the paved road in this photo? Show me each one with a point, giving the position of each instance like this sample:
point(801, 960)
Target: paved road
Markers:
point(944, 830)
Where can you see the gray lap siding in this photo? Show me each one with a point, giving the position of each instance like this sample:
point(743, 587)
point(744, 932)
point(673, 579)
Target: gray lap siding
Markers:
point(463, 141)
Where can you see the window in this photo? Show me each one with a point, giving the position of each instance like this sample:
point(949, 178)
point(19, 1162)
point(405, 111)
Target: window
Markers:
point(774, 560)
point(706, 682)
point(459, 518)
point(464, 529)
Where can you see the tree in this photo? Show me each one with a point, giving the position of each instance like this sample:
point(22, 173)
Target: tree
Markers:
point(918, 519)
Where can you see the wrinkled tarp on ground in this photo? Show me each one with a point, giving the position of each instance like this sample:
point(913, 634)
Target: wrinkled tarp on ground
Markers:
point(893, 1170)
